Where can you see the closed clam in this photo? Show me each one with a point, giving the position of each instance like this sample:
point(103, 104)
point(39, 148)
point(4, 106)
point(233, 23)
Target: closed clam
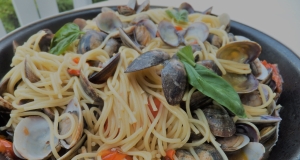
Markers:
point(174, 81)
point(80, 22)
point(74, 109)
point(220, 123)
point(148, 59)
point(211, 65)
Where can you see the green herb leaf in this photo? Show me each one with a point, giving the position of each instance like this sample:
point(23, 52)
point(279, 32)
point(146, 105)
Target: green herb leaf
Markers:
point(214, 87)
point(180, 16)
point(186, 54)
point(62, 39)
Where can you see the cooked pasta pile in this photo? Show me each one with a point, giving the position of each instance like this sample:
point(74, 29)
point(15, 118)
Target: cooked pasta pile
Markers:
point(125, 121)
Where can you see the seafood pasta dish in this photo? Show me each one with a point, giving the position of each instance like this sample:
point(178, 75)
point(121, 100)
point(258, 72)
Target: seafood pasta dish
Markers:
point(140, 83)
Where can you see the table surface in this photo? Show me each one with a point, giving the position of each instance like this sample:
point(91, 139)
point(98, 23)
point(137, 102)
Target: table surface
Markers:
point(276, 18)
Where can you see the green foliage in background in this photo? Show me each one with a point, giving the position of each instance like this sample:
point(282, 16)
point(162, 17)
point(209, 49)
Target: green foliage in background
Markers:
point(9, 17)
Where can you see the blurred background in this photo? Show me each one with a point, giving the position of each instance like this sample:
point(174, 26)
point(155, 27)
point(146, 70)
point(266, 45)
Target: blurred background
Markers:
point(9, 17)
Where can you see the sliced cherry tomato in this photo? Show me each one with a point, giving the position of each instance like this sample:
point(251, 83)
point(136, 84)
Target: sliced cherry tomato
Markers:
point(76, 60)
point(275, 76)
point(178, 28)
point(113, 154)
point(170, 154)
point(74, 72)
point(157, 104)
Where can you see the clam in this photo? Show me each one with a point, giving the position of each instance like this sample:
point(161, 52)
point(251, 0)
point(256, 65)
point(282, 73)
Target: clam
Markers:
point(80, 22)
point(224, 20)
point(108, 70)
point(208, 11)
point(211, 65)
point(240, 51)
point(127, 41)
point(90, 40)
point(259, 70)
point(220, 123)
point(241, 38)
point(248, 129)
point(231, 37)
point(148, 59)
point(214, 40)
point(32, 137)
point(108, 22)
point(30, 69)
point(90, 91)
point(233, 143)
point(139, 18)
point(204, 151)
point(252, 150)
point(111, 46)
point(143, 7)
point(168, 33)
point(198, 30)
point(145, 31)
point(45, 41)
point(267, 132)
point(242, 83)
point(199, 100)
point(128, 9)
point(15, 45)
point(187, 7)
point(74, 109)
point(174, 80)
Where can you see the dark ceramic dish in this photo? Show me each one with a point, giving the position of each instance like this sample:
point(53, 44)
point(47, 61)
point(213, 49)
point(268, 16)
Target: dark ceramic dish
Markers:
point(288, 145)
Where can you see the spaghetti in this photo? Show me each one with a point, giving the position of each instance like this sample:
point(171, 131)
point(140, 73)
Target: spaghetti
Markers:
point(126, 121)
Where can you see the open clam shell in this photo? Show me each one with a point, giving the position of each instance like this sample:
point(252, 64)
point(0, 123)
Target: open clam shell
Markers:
point(74, 109)
point(253, 151)
point(127, 41)
point(145, 31)
point(32, 137)
point(233, 143)
point(248, 129)
point(242, 83)
point(240, 51)
point(198, 30)
point(108, 70)
point(108, 22)
point(168, 33)
point(187, 7)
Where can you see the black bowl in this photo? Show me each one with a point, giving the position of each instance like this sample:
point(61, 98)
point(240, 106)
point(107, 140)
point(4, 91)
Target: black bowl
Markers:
point(287, 147)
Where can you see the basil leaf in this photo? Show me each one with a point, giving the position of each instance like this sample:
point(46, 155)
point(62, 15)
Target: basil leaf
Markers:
point(62, 39)
point(180, 16)
point(186, 54)
point(214, 87)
